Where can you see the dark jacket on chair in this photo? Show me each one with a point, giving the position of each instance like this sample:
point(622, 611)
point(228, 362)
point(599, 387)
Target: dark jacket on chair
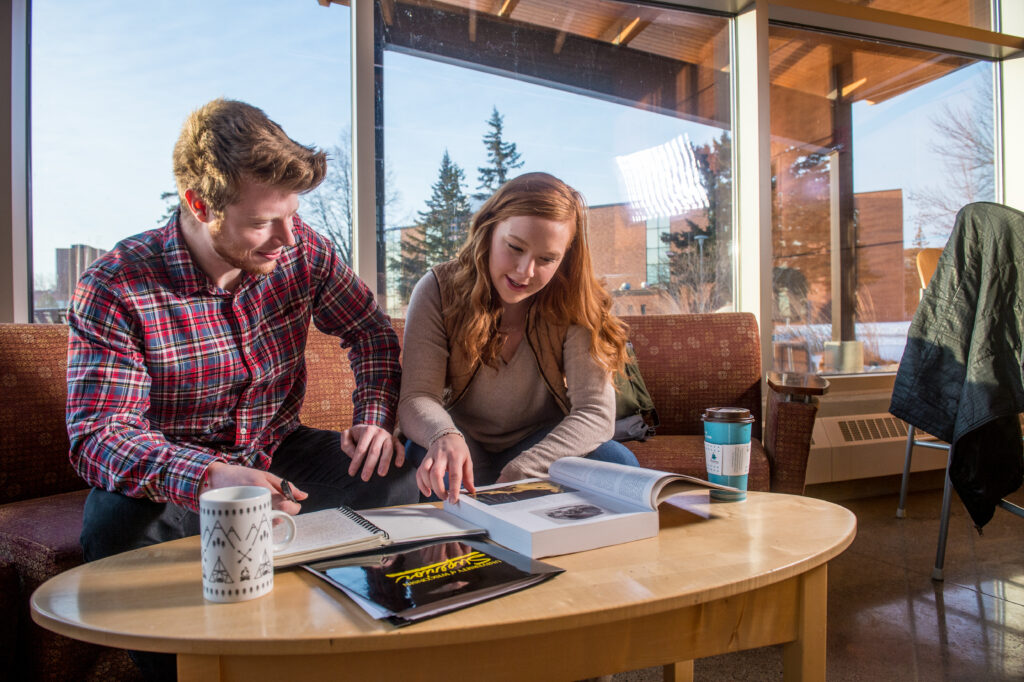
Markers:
point(960, 376)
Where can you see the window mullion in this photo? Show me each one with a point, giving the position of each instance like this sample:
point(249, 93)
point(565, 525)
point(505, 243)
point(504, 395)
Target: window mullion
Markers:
point(364, 188)
point(752, 186)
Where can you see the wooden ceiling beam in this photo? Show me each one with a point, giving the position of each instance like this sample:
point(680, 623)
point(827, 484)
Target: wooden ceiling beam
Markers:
point(506, 8)
point(631, 30)
point(504, 47)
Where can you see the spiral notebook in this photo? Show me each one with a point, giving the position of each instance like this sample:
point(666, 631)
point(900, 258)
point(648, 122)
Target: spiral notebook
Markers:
point(338, 532)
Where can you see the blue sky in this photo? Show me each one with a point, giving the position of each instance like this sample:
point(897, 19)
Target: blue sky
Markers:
point(894, 140)
point(112, 82)
point(574, 137)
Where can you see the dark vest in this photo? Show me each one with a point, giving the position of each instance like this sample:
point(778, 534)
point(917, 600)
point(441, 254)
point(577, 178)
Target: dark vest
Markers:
point(546, 340)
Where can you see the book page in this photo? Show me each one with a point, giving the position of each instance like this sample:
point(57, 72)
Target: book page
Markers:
point(419, 522)
point(673, 484)
point(543, 517)
point(325, 529)
point(632, 485)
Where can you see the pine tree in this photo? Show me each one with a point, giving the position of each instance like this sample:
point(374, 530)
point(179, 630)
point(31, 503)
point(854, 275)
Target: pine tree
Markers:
point(439, 231)
point(171, 203)
point(501, 155)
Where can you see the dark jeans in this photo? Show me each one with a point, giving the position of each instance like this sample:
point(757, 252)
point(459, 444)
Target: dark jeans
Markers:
point(312, 459)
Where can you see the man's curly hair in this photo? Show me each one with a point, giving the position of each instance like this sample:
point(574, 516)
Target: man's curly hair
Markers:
point(226, 141)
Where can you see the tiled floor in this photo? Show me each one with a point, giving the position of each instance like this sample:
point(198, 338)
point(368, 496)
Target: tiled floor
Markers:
point(887, 620)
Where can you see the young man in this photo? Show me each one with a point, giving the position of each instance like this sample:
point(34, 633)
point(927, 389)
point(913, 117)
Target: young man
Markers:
point(186, 367)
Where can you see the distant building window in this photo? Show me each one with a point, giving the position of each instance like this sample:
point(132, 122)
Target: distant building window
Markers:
point(657, 251)
point(71, 263)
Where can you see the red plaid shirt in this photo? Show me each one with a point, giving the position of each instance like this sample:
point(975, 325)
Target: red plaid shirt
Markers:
point(168, 373)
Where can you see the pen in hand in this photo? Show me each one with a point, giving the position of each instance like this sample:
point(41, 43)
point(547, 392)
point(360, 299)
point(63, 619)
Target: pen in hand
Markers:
point(286, 490)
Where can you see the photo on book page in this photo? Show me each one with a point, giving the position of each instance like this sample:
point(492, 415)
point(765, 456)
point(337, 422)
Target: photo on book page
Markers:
point(571, 513)
point(519, 491)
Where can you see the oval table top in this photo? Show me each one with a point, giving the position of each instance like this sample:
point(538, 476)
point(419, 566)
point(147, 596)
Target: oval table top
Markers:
point(151, 598)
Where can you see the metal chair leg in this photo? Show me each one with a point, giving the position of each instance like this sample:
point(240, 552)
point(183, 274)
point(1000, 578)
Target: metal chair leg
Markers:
point(947, 494)
point(1012, 508)
point(904, 484)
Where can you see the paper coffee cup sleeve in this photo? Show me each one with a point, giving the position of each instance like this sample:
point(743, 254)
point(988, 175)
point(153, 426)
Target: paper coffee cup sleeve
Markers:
point(735, 459)
point(713, 458)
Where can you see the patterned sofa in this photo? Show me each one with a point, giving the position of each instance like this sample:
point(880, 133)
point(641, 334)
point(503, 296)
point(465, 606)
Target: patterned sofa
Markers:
point(689, 362)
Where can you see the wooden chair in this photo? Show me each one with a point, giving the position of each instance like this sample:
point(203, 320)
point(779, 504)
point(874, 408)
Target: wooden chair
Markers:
point(927, 260)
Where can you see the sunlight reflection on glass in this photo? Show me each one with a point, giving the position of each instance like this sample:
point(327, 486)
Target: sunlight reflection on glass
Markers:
point(662, 181)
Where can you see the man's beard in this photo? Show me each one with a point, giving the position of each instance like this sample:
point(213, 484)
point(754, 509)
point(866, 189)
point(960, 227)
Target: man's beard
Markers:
point(236, 259)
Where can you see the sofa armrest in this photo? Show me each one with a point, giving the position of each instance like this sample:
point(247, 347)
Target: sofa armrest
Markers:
point(11, 608)
point(792, 406)
point(797, 386)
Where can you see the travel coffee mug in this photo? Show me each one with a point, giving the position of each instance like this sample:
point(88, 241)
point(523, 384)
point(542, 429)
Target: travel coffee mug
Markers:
point(237, 542)
point(727, 450)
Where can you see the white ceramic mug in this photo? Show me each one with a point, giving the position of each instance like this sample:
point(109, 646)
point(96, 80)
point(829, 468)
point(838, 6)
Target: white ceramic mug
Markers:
point(237, 542)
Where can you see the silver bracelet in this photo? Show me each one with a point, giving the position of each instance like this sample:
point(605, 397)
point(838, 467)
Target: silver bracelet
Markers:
point(445, 432)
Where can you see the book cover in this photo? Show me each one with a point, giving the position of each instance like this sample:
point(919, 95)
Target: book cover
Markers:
point(429, 580)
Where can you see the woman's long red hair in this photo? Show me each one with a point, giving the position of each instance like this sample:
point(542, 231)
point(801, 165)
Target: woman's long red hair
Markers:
point(573, 296)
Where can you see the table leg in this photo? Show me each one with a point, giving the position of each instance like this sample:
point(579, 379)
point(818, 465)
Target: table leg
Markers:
point(196, 668)
point(804, 658)
point(681, 671)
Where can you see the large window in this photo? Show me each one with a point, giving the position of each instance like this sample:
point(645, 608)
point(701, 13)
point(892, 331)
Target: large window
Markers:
point(112, 83)
point(874, 149)
point(873, 145)
point(629, 104)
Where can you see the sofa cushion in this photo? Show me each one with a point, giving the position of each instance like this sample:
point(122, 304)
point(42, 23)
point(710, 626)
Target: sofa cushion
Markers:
point(329, 381)
point(33, 438)
point(693, 362)
point(329, 384)
point(39, 539)
point(685, 455)
point(40, 536)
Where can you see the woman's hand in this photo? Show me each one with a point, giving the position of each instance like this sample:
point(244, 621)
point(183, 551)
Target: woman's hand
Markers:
point(449, 454)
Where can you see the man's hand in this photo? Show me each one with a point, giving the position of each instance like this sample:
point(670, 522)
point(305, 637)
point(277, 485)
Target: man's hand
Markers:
point(448, 455)
point(222, 474)
point(371, 447)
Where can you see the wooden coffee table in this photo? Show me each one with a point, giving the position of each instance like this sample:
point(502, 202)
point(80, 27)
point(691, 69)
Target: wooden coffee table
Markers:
point(719, 577)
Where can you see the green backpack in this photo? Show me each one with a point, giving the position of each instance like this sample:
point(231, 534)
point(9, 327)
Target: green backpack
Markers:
point(635, 415)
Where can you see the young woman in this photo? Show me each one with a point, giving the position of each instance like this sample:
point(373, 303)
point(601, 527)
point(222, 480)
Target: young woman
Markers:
point(510, 348)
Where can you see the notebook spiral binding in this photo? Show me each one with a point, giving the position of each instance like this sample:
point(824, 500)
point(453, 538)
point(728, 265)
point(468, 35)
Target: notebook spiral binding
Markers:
point(363, 522)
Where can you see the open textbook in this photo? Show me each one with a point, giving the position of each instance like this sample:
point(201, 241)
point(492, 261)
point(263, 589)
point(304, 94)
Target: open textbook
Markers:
point(336, 532)
point(582, 505)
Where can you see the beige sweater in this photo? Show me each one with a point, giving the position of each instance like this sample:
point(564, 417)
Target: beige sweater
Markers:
point(505, 404)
